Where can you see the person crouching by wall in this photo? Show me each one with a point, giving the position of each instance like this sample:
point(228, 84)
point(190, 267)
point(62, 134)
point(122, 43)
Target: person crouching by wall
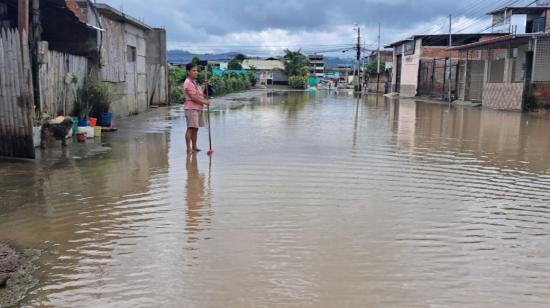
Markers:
point(194, 103)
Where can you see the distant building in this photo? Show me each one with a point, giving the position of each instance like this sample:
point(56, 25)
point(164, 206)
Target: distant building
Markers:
point(380, 82)
point(339, 74)
point(267, 71)
point(316, 65)
point(386, 56)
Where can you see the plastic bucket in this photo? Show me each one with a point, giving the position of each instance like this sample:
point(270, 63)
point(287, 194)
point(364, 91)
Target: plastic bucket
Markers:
point(92, 122)
point(89, 131)
point(82, 123)
point(106, 119)
point(97, 131)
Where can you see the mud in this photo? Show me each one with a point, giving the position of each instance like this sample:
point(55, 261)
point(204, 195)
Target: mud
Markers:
point(16, 269)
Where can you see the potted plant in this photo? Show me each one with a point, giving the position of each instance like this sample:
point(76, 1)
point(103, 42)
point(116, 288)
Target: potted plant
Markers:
point(100, 99)
point(81, 107)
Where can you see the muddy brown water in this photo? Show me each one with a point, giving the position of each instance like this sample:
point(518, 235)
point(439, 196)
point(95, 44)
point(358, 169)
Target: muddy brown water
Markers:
point(310, 200)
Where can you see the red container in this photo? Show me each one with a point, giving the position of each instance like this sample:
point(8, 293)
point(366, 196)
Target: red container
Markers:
point(92, 122)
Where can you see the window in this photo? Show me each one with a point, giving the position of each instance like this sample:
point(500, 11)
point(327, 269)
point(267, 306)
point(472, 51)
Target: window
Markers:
point(409, 47)
point(131, 53)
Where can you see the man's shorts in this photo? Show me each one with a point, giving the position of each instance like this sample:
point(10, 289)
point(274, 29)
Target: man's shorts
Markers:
point(194, 118)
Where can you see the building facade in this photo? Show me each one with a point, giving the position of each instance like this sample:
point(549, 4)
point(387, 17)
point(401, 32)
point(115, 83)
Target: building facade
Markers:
point(316, 65)
point(421, 64)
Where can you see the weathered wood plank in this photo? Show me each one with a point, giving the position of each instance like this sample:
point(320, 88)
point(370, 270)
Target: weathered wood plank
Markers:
point(16, 105)
point(55, 92)
point(3, 96)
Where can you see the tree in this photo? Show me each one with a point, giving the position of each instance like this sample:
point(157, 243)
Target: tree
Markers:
point(234, 65)
point(294, 63)
point(196, 60)
point(240, 57)
point(372, 67)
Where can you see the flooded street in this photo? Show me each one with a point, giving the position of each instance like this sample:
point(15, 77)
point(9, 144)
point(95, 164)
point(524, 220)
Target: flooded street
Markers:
point(310, 200)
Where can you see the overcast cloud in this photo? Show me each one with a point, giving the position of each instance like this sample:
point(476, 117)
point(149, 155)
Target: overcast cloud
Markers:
point(267, 27)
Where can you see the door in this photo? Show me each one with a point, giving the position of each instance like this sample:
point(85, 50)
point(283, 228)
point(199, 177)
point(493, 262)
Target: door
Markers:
point(398, 74)
point(131, 79)
point(476, 72)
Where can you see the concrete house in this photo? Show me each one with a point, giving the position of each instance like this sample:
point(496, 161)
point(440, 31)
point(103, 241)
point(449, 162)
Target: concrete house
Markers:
point(133, 60)
point(514, 69)
point(420, 63)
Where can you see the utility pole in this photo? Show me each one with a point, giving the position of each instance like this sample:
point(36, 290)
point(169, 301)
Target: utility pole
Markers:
point(359, 57)
point(450, 55)
point(378, 66)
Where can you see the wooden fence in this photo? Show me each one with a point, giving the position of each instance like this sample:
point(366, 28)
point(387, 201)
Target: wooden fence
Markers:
point(156, 85)
point(56, 88)
point(16, 96)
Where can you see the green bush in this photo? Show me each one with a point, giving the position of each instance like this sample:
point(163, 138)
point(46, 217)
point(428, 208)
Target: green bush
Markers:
point(99, 96)
point(221, 85)
point(230, 82)
point(176, 77)
point(297, 82)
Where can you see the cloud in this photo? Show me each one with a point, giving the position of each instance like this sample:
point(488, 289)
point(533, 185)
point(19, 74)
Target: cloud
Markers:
point(268, 26)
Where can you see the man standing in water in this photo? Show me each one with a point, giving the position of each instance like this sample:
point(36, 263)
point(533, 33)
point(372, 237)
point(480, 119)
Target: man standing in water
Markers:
point(194, 101)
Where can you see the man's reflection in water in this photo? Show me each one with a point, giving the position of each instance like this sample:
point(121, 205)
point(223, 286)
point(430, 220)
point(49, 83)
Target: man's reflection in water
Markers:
point(195, 198)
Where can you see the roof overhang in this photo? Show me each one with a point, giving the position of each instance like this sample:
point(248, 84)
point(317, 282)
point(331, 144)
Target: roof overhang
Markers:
point(520, 10)
point(455, 37)
point(498, 42)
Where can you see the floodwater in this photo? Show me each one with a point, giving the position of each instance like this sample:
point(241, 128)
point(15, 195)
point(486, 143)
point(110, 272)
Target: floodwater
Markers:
point(310, 200)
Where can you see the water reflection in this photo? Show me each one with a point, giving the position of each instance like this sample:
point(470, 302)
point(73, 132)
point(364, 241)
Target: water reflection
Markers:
point(196, 203)
point(504, 139)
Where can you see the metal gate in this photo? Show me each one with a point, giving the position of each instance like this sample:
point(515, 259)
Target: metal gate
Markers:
point(476, 69)
point(433, 78)
point(16, 96)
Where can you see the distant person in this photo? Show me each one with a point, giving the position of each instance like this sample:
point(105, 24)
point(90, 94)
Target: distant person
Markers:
point(194, 102)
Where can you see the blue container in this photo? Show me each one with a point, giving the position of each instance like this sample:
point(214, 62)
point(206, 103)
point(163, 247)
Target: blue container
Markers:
point(106, 119)
point(83, 123)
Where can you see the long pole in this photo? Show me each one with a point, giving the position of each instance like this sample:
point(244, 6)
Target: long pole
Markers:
point(450, 55)
point(378, 66)
point(210, 151)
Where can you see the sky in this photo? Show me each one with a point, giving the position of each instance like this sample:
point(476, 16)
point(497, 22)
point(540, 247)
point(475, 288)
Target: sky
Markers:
point(266, 28)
